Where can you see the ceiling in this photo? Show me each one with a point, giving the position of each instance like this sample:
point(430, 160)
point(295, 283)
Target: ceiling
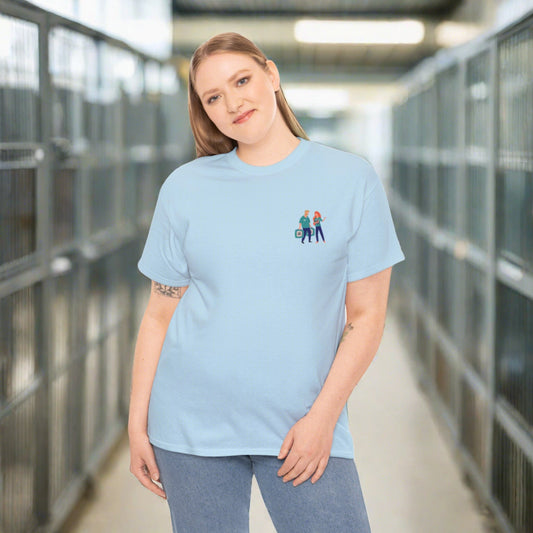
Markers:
point(392, 8)
point(270, 24)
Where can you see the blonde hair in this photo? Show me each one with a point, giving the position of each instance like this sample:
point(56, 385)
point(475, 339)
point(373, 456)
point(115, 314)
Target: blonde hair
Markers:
point(209, 140)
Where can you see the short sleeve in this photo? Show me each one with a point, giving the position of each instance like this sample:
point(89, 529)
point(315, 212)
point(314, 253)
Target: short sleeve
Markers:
point(162, 259)
point(374, 246)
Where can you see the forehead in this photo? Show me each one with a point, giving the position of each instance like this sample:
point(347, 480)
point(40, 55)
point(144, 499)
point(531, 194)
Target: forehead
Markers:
point(220, 66)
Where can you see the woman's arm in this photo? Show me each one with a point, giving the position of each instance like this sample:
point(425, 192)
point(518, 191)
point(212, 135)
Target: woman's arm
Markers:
point(366, 307)
point(161, 306)
point(311, 438)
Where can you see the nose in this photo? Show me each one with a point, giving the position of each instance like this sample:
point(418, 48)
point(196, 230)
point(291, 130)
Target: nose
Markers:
point(233, 102)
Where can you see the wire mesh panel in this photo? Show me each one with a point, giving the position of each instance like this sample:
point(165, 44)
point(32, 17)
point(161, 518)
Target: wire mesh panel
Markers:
point(444, 377)
point(428, 116)
point(19, 81)
point(19, 344)
point(175, 138)
point(476, 201)
point(19, 90)
point(19, 316)
point(127, 325)
point(18, 458)
point(515, 125)
point(423, 268)
point(65, 399)
point(512, 480)
point(426, 189)
point(423, 343)
point(446, 196)
point(477, 102)
point(102, 360)
point(83, 165)
point(408, 240)
point(446, 304)
point(18, 204)
point(473, 423)
point(475, 344)
point(514, 346)
point(447, 87)
point(140, 164)
point(401, 178)
point(94, 399)
point(103, 131)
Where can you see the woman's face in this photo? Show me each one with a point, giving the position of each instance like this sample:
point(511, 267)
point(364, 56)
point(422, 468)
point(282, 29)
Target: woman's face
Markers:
point(232, 84)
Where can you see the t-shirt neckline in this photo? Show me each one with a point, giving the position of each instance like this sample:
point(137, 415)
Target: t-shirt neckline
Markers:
point(287, 161)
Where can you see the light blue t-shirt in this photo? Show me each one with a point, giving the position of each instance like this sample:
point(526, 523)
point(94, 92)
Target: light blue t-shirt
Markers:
point(253, 338)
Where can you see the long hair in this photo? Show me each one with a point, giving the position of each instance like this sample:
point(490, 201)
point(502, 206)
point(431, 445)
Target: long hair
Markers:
point(209, 140)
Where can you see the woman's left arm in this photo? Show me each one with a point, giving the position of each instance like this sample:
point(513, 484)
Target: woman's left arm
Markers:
point(310, 439)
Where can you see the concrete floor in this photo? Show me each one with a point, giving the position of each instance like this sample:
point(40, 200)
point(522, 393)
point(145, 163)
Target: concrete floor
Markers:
point(409, 479)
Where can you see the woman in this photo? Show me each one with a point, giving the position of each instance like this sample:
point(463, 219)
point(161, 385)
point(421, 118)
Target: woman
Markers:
point(244, 359)
point(317, 219)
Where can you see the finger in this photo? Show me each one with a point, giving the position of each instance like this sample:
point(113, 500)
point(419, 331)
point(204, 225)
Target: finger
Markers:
point(296, 470)
point(289, 463)
point(142, 474)
point(153, 470)
point(152, 486)
point(320, 469)
point(151, 465)
point(302, 472)
point(286, 445)
point(306, 474)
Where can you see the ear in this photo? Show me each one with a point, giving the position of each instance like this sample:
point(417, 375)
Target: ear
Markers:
point(274, 74)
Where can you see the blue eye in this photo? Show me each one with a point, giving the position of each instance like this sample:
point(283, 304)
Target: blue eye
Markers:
point(245, 78)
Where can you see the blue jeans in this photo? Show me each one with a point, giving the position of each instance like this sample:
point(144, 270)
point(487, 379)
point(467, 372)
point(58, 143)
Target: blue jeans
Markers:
point(307, 231)
point(212, 494)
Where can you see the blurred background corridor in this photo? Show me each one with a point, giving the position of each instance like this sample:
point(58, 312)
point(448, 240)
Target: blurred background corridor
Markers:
point(436, 94)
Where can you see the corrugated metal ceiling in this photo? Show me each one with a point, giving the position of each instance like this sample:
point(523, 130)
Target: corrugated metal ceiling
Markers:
point(438, 8)
point(270, 25)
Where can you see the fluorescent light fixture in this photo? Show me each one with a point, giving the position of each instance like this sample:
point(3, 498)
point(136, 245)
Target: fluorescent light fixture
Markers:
point(323, 102)
point(448, 33)
point(359, 31)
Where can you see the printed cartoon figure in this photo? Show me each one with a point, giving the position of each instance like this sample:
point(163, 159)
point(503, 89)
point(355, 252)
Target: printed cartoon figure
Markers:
point(317, 219)
point(304, 224)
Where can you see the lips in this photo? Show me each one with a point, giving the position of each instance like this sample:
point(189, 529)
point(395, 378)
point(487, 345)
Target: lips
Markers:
point(244, 117)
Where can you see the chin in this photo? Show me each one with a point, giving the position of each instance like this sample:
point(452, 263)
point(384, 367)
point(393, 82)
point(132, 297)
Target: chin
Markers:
point(250, 137)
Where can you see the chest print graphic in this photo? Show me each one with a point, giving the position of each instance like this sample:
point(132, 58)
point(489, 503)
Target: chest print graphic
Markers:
point(304, 227)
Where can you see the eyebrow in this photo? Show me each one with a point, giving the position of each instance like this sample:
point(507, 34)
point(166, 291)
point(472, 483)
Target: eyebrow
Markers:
point(229, 79)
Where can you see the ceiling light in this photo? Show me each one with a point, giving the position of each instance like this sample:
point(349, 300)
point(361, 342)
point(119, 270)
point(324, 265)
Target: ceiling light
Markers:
point(449, 33)
point(359, 31)
point(323, 101)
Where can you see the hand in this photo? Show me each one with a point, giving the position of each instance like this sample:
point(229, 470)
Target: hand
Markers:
point(309, 442)
point(142, 462)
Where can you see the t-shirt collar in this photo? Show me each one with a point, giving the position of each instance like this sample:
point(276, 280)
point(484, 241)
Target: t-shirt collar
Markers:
point(283, 164)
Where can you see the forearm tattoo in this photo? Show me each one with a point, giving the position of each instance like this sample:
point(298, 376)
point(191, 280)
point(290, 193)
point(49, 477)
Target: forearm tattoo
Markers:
point(347, 329)
point(167, 290)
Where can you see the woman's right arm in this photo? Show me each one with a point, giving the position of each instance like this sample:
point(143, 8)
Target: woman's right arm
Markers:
point(152, 331)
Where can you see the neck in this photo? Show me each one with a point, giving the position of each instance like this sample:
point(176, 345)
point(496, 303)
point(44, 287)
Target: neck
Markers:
point(275, 146)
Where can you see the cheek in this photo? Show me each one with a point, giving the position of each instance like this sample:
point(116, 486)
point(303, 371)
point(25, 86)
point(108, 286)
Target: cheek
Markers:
point(212, 114)
point(269, 97)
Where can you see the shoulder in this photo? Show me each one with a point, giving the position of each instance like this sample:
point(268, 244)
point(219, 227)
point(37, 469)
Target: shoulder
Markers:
point(354, 167)
point(339, 155)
